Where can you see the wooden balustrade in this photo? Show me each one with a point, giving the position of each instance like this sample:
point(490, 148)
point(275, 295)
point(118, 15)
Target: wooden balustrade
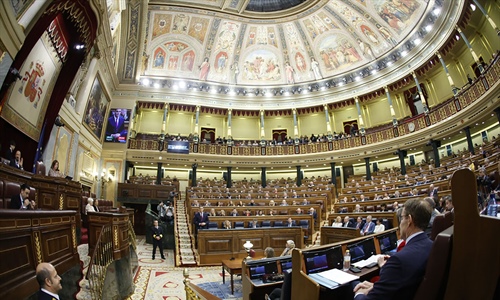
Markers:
point(28, 238)
point(217, 245)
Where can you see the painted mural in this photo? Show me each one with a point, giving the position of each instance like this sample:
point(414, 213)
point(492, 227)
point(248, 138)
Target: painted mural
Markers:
point(96, 110)
point(261, 65)
point(340, 36)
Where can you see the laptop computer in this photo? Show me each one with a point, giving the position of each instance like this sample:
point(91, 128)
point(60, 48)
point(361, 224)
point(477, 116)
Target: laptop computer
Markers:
point(388, 243)
point(362, 250)
point(258, 270)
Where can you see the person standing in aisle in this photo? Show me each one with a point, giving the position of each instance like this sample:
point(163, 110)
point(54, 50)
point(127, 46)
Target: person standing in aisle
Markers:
point(157, 239)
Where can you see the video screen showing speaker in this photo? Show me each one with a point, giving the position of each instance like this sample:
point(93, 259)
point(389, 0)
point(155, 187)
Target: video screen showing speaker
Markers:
point(117, 125)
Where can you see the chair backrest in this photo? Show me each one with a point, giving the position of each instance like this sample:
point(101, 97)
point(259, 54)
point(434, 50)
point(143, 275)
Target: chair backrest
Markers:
point(278, 223)
point(433, 285)
point(387, 224)
point(239, 224)
point(266, 223)
point(212, 225)
point(286, 288)
point(304, 223)
point(441, 222)
point(40, 168)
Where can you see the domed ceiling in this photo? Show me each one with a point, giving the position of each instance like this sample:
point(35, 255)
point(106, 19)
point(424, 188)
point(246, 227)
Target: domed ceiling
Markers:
point(330, 42)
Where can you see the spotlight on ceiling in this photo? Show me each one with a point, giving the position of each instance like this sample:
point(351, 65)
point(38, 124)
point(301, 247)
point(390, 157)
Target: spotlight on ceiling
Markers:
point(299, 89)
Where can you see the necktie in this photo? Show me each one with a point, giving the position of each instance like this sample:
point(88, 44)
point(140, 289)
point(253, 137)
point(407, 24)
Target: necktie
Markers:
point(401, 245)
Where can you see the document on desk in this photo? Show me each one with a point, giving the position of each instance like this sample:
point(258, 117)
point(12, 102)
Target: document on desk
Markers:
point(366, 262)
point(338, 276)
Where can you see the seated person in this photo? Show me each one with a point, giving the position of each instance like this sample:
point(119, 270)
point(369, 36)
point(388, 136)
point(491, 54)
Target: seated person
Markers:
point(288, 248)
point(337, 222)
point(269, 252)
point(227, 224)
point(54, 170)
point(379, 227)
point(401, 273)
point(89, 206)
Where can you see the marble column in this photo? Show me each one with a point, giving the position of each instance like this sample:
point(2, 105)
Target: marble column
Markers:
point(229, 141)
point(469, 140)
point(229, 182)
point(262, 131)
point(481, 8)
point(368, 171)
point(193, 174)
point(472, 52)
point(393, 113)
point(420, 93)
point(333, 173)
point(299, 176)
point(360, 117)
point(402, 154)
point(196, 134)
point(435, 150)
point(450, 80)
point(263, 176)
point(328, 125)
point(158, 174)
point(295, 126)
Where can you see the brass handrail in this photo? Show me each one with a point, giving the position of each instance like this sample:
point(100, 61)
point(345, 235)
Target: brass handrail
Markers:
point(99, 262)
point(131, 235)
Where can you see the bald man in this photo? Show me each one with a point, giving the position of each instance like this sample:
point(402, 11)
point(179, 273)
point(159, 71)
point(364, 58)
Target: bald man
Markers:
point(49, 281)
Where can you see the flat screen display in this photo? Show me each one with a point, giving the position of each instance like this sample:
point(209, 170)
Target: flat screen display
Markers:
point(388, 242)
point(286, 265)
point(117, 125)
point(178, 147)
point(266, 268)
point(323, 259)
point(362, 250)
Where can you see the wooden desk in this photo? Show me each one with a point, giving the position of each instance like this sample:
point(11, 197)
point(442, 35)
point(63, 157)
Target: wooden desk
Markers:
point(233, 267)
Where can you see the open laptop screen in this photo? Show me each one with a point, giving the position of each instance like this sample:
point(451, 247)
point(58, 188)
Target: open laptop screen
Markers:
point(388, 242)
point(265, 268)
point(323, 259)
point(361, 250)
point(286, 264)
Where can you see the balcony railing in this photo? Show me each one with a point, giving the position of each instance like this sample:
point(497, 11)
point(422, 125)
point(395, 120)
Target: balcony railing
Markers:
point(441, 112)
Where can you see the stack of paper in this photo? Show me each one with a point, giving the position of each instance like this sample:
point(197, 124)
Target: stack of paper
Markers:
point(366, 262)
point(338, 276)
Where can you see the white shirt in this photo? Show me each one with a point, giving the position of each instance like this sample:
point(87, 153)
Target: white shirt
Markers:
point(379, 228)
point(52, 294)
point(335, 224)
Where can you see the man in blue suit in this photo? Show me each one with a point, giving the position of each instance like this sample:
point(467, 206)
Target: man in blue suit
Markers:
point(369, 226)
point(201, 219)
point(116, 125)
point(401, 273)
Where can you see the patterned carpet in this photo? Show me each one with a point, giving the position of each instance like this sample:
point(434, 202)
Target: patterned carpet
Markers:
point(184, 239)
point(160, 279)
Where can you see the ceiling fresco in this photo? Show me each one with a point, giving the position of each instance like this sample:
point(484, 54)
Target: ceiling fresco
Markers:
point(322, 42)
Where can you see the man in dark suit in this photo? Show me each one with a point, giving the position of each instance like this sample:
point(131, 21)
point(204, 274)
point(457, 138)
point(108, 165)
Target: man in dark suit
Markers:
point(116, 125)
point(369, 226)
point(290, 223)
point(201, 219)
point(157, 239)
point(348, 222)
point(433, 193)
point(11, 151)
point(17, 201)
point(17, 162)
point(49, 281)
point(401, 273)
